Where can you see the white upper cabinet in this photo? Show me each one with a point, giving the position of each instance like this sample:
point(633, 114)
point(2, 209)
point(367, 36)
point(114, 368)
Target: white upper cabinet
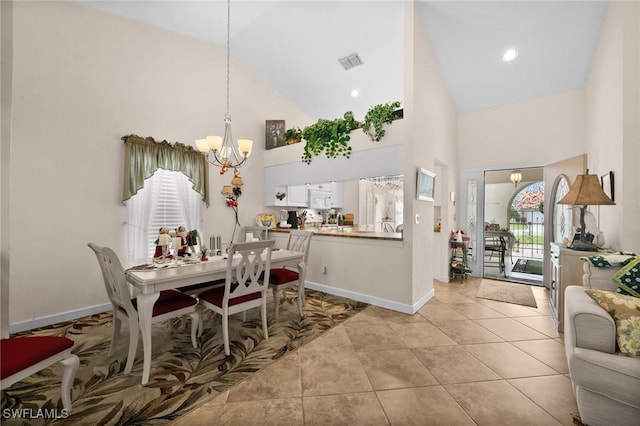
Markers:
point(298, 196)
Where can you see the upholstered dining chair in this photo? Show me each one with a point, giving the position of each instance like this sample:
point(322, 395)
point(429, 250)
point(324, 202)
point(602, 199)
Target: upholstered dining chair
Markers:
point(20, 357)
point(243, 289)
point(170, 304)
point(282, 278)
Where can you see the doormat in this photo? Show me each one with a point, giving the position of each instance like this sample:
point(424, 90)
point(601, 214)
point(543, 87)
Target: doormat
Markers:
point(528, 266)
point(503, 291)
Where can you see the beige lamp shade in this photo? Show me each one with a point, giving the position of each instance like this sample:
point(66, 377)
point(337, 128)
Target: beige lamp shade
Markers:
point(237, 180)
point(215, 142)
point(227, 190)
point(202, 145)
point(244, 146)
point(586, 191)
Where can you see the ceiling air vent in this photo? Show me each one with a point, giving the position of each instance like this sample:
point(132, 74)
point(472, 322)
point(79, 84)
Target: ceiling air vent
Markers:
point(350, 61)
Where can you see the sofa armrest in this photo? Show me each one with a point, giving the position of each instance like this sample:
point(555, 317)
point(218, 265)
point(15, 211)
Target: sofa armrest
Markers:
point(587, 325)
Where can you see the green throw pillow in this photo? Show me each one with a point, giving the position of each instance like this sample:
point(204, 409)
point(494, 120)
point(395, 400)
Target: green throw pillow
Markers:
point(628, 278)
point(625, 311)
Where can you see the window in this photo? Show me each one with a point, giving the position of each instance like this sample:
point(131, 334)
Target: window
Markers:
point(167, 199)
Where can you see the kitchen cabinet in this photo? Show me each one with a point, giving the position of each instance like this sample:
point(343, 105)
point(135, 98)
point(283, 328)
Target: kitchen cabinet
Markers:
point(566, 270)
point(297, 196)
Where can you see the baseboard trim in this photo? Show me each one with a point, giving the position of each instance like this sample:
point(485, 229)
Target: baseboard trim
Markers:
point(372, 300)
point(58, 318)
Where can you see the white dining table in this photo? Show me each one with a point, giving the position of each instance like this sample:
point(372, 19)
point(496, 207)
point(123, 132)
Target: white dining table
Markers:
point(150, 283)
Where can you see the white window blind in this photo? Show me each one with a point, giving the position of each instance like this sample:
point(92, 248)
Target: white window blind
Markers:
point(167, 200)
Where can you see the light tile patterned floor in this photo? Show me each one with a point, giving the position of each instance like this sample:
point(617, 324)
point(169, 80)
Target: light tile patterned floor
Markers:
point(458, 361)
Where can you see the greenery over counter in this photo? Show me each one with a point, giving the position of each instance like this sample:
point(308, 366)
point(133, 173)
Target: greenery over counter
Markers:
point(332, 136)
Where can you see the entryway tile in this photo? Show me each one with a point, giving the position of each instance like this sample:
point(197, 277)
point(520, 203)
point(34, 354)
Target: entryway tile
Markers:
point(393, 369)
point(422, 407)
point(453, 364)
point(560, 403)
point(509, 361)
point(497, 403)
point(347, 409)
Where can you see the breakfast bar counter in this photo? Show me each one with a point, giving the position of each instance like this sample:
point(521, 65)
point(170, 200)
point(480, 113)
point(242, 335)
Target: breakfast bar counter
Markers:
point(347, 232)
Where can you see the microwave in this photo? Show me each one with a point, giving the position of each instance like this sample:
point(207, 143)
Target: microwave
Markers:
point(320, 199)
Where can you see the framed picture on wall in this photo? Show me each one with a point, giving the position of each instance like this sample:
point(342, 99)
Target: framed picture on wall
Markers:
point(606, 180)
point(274, 133)
point(425, 185)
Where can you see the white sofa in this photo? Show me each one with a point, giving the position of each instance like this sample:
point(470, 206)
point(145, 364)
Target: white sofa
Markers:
point(606, 382)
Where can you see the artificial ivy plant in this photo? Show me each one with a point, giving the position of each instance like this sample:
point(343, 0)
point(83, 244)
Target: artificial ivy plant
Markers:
point(377, 116)
point(329, 136)
point(292, 135)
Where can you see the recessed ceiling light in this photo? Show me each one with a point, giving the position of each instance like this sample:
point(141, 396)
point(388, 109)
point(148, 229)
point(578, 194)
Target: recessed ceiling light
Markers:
point(355, 93)
point(510, 55)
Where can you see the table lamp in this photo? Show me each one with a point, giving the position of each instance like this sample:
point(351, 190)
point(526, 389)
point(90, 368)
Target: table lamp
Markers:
point(585, 191)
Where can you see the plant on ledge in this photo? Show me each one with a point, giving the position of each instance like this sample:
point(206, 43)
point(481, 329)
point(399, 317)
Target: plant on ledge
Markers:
point(293, 135)
point(330, 136)
point(377, 116)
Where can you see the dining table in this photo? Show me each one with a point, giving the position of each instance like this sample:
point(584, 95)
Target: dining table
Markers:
point(150, 278)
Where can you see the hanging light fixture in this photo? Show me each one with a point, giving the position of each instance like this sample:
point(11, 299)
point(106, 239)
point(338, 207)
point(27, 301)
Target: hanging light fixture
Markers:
point(226, 154)
point(516, 177)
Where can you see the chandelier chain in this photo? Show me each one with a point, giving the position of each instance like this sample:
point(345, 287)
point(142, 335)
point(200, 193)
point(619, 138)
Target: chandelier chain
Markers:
point(228, 50)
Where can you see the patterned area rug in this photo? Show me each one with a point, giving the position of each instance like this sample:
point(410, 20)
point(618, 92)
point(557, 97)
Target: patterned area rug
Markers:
point(503, 291)
point(182, 378)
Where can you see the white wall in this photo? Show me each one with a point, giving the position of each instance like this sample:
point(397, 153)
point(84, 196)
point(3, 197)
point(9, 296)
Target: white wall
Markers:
point(81, 80)
point(613, 123)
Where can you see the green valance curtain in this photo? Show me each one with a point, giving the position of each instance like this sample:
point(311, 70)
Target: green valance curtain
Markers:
point(144, 156)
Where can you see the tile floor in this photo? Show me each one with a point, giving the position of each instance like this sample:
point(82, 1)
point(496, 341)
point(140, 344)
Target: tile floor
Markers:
point(458, 361)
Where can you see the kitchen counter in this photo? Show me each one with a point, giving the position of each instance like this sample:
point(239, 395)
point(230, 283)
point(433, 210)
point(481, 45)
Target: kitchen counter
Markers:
point(347, 233)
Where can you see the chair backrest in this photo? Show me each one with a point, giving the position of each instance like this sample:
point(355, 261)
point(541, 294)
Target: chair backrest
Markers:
point(254, 231)
point(248, 264)
point(115, 281)
point(300, 241)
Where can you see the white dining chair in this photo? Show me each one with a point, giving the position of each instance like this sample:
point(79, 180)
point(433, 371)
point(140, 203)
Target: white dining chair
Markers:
point(253, 231)
point(282, 278)
point(243, 289)
point(20, 357)
point(170, 304)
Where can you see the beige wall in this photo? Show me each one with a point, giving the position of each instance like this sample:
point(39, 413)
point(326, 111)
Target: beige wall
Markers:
point(431, 143)
point(613, 122)
point(532, 133)
point(82, 80)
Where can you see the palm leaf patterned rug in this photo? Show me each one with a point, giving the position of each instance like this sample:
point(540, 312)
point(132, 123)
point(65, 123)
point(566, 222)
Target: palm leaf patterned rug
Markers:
point(182, 378)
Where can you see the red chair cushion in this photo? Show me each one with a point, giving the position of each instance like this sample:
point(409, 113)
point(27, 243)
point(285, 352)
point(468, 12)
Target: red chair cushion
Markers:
point(279, 276)
point(215, 296)
point(169, 301)
point(18, 353)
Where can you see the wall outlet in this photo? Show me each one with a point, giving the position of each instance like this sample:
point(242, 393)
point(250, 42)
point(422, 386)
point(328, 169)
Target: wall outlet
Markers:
point(417, 219)
point(323, 269)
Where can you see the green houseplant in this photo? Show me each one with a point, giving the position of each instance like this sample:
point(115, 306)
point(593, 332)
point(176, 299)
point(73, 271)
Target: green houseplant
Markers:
point(377, 116)
point(293, 135)
point(329, 136)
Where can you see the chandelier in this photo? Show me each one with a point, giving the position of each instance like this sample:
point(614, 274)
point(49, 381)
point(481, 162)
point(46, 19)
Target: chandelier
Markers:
point(516, 177)
point(226, 153)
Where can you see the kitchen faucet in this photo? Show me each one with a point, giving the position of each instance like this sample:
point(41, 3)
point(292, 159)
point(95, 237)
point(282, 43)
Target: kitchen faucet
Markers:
point(338, 216)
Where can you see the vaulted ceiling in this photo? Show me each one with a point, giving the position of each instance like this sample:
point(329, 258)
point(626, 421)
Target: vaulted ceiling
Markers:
point(295, 46)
